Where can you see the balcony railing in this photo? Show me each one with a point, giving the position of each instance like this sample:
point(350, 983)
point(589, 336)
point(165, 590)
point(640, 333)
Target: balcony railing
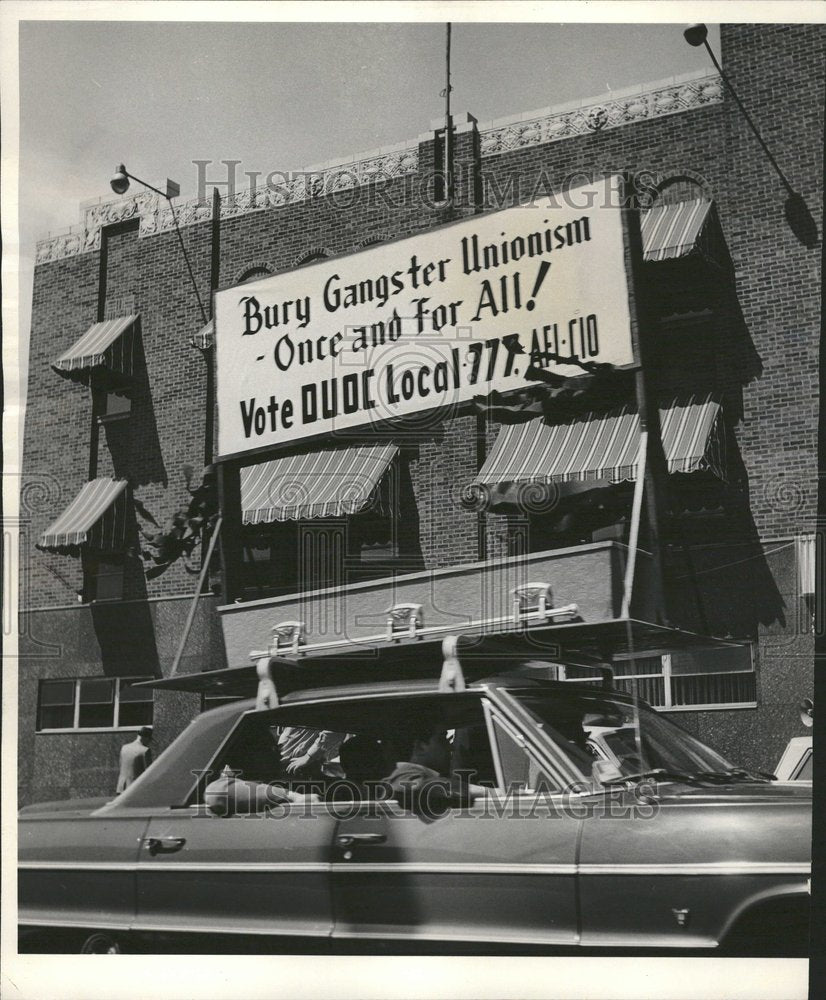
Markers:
point(657, 684)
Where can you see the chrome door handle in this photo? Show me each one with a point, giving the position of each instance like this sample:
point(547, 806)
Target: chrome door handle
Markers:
point(348, 839)
point(164, 845)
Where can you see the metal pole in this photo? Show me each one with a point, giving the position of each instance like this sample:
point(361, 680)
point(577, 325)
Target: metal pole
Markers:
point(634, 535)
point(649, 415)
point(448, 125)
point(190, 618)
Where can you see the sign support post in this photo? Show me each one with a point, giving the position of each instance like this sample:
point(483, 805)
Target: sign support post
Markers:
point(655, 468)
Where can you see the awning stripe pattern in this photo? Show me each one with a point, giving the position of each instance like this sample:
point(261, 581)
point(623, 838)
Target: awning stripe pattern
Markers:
point(329, 483)
point(96, 518)
point(205, 337)
point(605, 446)
point(806, 552)
point(672, 231)
point(111, 344)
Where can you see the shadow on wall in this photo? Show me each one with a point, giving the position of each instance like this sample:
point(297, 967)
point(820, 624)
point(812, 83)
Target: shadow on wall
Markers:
point(124, 629)
point(723, 584)
point(133, 443)
point(126, 636)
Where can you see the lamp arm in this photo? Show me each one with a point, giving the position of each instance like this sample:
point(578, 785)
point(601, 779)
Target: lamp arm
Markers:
point(150, 186)
point(204, 316)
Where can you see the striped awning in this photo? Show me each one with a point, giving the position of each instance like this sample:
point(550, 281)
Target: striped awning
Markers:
point(329, 483)
point(205, 337)
point(96, 518)
point(673, 231)
point(604, 447)
point(806, 557)
point(110, 345)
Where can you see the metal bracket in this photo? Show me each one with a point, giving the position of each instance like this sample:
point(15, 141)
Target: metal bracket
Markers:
point(287, 637)
point(452, 678)
point(404, 619)
point(266, 696)
point(531, 600)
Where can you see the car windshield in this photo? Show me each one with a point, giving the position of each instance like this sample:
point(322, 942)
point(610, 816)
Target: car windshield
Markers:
point(588, 728)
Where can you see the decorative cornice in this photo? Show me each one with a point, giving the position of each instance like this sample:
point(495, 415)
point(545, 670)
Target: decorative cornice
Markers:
point(597, 114)
point(155, 216)
point(667, 97)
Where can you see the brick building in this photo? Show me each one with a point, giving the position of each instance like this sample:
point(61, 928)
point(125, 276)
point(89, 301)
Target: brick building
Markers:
point(121, 400)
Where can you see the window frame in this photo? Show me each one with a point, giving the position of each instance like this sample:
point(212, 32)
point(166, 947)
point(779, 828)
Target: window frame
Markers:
point(107, 414)
point(215, 766)
point(76, 727)
point(91, 564)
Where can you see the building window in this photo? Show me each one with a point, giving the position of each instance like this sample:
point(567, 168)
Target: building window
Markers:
point(113, 406)
point(102, 577)
point(686, 681)
point(56, 705)
point(96, 703)
point(93, 703)
point(284, 557)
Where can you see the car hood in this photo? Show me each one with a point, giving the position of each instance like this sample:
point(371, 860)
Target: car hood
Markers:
point(65, 805)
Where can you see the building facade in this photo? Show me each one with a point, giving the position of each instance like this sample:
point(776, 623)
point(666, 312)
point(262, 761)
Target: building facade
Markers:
point(119, 496)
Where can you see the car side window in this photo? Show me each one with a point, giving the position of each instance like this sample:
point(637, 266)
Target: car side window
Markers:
point(519, 767)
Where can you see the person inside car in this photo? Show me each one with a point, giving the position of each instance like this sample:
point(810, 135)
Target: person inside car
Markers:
point(251, 787)
point(363, 761)
point(423, 780)
point(305, 752)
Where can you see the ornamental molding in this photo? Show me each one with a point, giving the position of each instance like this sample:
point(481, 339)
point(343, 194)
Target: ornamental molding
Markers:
point(588, 117)
point(329, 179)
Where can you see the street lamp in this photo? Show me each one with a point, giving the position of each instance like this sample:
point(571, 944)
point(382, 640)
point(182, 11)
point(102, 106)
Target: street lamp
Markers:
point(120, 185)
point(797, 212)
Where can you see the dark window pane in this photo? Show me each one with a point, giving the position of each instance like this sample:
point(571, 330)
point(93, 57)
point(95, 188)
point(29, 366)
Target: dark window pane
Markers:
point(109, 581)
point(117, 405)
point(136, 705)
point(57, 718)
point(712, 661)
point(57, 705)
point(57, 693)
point(129, 693)
point(97, 691)
point(135, 713)
point(97, 703)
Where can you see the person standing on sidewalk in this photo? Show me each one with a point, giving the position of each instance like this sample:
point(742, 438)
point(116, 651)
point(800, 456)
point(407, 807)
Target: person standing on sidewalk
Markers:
point(135, 757)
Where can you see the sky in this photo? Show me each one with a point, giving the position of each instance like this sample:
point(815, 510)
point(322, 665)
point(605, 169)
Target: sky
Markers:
point(283, 96)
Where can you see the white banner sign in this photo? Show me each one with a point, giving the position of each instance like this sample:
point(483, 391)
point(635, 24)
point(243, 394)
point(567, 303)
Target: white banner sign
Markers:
point(423, 322)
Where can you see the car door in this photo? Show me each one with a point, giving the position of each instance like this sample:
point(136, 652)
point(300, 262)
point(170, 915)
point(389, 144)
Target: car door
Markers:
point(501, 869)
point(256, 874)
point(671, 868)
point(78, 869)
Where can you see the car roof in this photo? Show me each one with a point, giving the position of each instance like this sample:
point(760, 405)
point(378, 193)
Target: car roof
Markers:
point(513, 680)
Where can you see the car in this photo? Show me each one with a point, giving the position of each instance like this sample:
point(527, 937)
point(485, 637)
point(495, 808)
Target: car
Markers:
point(575, 818)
